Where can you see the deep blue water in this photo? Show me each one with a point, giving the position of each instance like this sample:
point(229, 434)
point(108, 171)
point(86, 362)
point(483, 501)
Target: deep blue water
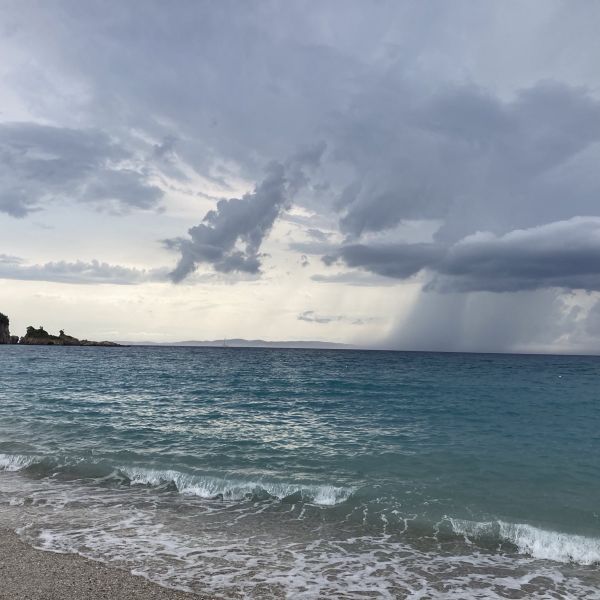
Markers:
point(305, 474)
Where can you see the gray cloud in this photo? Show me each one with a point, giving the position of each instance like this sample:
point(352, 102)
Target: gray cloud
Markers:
point(312, 248)
point(165, 149)
point(408, 138)
point(564, 254)
point(355, 277)
point(318, 235)
point(310, 316)
point(230, 237)
point(80, 272)
point(246, 220)
point(465, 156)
point(9, 259)
point(41, 164)
point(391, 260)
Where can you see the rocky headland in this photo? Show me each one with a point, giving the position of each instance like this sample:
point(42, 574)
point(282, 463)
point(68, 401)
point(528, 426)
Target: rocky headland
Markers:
point(5, 337)
point(40, 337)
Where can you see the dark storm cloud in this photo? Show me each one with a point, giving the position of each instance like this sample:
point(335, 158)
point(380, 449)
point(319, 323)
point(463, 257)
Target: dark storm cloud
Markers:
point(223, 79)
point(247, 220)
point(564, 254)
point(41, 164)
point(463, 155)
point(80, 272)
point(408, 138)
point(230, 237)
point(391, 260)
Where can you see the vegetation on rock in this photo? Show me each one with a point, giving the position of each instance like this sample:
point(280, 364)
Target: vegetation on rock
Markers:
point(40, 337)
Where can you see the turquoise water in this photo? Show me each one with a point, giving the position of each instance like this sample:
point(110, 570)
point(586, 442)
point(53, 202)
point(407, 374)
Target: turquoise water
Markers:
point(307, 474)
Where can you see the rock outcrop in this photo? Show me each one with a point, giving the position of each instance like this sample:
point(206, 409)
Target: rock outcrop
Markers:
point(40, 337)
point(4, 330)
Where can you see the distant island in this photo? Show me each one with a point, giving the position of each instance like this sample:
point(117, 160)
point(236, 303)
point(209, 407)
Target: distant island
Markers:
point(40, 337)
point(242, 343)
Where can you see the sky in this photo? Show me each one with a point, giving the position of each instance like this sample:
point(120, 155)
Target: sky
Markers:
point(403, 175)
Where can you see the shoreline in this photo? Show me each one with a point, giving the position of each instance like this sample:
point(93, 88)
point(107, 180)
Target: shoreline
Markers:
point(27, 573)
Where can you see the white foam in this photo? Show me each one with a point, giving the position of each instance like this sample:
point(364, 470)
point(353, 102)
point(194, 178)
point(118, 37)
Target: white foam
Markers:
point(247, 550)
point(539, 543)
point(224, 567)
point(329, 495)
point(271, 554)
point(15, 462)
point(236, 489)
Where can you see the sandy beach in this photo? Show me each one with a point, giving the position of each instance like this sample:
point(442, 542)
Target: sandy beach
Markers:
point(30, 574)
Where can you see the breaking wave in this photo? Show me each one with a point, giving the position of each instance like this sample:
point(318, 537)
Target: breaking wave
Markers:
point(527, 539)
point(538, 543)
point(237, 489)
point(203, 486)
point(15, 462)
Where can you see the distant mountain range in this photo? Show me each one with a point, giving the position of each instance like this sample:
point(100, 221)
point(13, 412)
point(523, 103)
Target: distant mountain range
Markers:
point(241, 343)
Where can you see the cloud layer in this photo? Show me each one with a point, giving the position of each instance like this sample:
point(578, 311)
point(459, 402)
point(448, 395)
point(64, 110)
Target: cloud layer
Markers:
point(435, 153)
point(564, 254)
point(77, 272)
point(40, 164)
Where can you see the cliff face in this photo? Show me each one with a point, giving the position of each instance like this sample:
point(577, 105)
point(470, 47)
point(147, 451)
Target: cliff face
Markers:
point(4, 330)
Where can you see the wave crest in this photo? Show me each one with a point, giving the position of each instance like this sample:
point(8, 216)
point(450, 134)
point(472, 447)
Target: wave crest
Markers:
point(203, 486)
point(539, 543)
point(15, 462)
point(237, 489)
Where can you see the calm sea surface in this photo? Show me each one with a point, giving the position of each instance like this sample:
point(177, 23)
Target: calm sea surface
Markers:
point(309, 474)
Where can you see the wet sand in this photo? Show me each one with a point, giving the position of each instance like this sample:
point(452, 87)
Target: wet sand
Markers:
point(30, 574)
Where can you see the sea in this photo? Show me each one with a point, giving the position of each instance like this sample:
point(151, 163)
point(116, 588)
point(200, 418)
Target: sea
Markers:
point(308, 474)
